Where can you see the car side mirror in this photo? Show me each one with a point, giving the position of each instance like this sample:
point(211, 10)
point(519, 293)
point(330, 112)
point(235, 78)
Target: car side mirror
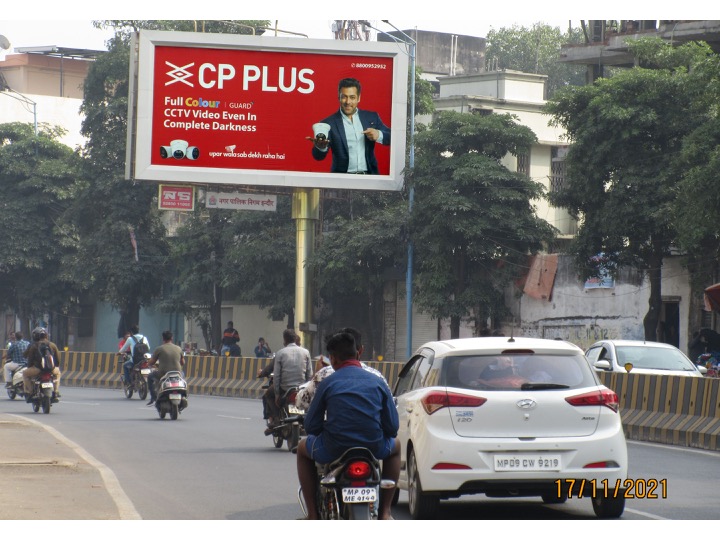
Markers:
point(603, 365)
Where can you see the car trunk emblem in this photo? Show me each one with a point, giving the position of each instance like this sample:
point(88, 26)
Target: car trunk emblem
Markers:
point(526, 404)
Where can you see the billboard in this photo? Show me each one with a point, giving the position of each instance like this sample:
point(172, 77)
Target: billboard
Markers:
point(240, 110)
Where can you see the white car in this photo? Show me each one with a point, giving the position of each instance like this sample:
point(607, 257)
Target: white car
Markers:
point(508, 417)
point(648, 357)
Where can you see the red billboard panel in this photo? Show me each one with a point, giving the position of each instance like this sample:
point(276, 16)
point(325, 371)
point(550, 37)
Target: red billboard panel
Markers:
point(225, 109)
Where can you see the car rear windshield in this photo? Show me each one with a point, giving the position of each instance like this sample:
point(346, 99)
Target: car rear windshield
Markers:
point(519, 372)
point(654, 358)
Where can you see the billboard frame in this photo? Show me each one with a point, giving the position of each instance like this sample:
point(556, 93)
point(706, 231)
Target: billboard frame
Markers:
point(141, 114)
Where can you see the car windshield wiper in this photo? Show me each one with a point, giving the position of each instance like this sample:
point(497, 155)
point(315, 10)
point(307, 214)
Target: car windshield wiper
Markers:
point(542, 386)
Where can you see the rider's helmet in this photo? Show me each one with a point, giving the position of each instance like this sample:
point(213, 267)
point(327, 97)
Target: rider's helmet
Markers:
point(39, 333)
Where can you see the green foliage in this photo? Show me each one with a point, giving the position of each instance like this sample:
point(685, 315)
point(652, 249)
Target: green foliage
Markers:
point(535, 50)
point(473, 224)
point(38, 178)
point(627, 134)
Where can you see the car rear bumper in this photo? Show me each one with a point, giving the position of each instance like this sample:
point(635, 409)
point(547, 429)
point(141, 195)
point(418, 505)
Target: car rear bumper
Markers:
point(477, 454)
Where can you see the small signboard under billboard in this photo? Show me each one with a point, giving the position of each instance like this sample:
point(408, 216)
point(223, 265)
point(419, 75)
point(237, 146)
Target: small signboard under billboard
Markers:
point(171, 197)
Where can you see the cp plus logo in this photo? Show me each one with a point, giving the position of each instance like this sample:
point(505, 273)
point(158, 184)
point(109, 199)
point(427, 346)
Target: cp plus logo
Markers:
point(209, 75)
point(179, 74)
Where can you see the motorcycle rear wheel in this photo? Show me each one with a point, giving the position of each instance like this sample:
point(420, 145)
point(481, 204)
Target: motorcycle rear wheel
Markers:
point(11, 392)
point(142, 389)
point(173, 411)
point(294, 438)
point(45, 403)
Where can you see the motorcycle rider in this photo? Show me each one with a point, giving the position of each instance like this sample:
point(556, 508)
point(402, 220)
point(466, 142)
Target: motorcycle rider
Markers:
point(14, 358)
point(360, 412)
point(34, 363)
point(307, 390)
point(129, 347)
point(292, 367)
point(169, 357)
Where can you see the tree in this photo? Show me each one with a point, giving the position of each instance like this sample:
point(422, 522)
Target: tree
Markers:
point(697, 207)
point(365, 242)
point(239, 255)
point(622, 166)
point(114, 215)
point(38, 180)
point(473, 224)
point(535, 50)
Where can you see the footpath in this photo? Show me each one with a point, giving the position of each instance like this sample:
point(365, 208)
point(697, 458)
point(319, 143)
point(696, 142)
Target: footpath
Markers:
point(45, 476)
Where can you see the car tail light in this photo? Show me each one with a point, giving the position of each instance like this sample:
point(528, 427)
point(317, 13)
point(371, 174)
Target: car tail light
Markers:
point(358, 470)
point(605, 397)
point(436, 400)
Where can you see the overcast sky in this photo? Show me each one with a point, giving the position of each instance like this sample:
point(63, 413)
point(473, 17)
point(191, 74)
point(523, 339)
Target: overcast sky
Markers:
point(44, 23)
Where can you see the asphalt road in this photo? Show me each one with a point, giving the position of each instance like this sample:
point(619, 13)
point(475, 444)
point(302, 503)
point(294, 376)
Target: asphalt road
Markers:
point(214, 463)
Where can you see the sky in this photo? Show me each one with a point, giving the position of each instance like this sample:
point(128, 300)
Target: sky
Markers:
point(55, 24)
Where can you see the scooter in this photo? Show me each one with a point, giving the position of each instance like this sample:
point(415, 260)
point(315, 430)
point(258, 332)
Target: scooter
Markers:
point(138, 379)
point(349, 487)
point(16, 387)
point(172, 395)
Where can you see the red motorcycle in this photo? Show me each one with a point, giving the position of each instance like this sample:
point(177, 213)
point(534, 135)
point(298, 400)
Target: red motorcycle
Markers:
point(138, 379)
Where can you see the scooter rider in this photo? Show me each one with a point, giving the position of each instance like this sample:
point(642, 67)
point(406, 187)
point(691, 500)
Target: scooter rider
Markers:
point(168, 357)
point(34, 362)
point(14, 357)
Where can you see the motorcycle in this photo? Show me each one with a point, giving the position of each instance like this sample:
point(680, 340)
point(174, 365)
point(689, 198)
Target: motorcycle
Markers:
point(43, 392)
point(289, 427)
point(138, 379)
point(172, 395)
point(349, 487)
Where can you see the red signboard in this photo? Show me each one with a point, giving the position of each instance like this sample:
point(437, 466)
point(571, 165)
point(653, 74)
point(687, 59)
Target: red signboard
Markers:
point(176, 197)
point(242, 111)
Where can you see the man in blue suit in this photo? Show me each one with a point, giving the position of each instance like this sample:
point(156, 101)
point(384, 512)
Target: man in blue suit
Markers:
point(353, 134)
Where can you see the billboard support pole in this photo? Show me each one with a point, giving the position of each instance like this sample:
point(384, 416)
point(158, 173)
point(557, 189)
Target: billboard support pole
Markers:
point(305, 212)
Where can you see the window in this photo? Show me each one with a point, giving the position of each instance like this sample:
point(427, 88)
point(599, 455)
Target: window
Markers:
point(557, 168)
point(523, 164)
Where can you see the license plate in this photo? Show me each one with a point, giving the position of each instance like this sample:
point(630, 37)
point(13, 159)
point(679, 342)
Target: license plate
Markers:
point(359, 495)
point(527, 462)
point(46, 385)
point(145, 371)
point(292, 409)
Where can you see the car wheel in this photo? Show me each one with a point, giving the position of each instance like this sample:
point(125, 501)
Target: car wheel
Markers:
point(552, 497)
point(422, 505)
point(608, 507)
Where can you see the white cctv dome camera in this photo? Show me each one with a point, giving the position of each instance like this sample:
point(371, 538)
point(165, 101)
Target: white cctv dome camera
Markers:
point(179, 148)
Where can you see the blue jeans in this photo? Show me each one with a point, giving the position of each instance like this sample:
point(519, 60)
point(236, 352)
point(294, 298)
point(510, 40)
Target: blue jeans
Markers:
point(127, 367)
